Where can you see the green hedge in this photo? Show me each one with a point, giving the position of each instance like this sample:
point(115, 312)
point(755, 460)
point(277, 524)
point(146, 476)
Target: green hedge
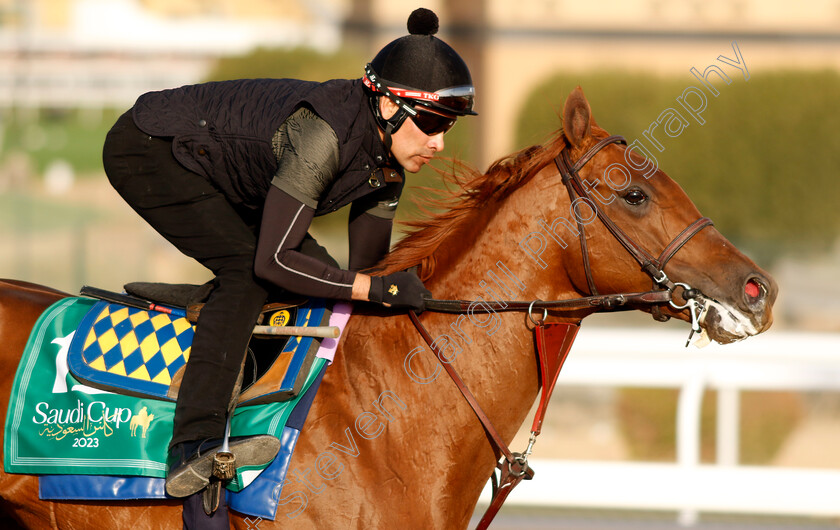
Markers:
point(75, 136)
point(298, 63)
point(763, 166)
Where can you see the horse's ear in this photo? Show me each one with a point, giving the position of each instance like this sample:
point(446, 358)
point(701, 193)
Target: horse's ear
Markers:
point(577, 117)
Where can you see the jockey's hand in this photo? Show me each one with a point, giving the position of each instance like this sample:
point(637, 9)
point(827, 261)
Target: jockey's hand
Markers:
point(400, 289)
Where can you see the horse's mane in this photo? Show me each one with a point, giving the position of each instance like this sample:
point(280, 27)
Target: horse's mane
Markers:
point(473, 194)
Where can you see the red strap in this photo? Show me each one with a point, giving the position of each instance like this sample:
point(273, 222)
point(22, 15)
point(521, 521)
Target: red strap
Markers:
point(554, 341)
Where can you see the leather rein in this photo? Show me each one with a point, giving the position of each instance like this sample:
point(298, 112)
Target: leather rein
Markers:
point(554, 340)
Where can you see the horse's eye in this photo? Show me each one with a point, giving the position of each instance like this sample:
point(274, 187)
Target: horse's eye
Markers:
point(635, 196)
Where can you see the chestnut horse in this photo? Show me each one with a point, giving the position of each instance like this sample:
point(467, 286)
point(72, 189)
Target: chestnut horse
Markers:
point(390, 442)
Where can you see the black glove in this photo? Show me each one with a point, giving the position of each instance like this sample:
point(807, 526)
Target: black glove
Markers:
point(400, 289)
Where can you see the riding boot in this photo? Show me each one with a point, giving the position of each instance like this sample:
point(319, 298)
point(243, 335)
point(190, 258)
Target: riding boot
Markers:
point(192, 462)
point(195, 517)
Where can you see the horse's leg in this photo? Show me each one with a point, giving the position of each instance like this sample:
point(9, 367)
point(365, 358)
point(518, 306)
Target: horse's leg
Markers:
point(21, 304)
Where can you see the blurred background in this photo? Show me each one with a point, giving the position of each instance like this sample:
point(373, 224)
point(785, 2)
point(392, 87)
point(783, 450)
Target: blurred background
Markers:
point(764, 166)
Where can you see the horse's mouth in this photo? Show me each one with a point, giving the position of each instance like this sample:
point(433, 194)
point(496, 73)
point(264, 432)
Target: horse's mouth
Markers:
point(725, 324)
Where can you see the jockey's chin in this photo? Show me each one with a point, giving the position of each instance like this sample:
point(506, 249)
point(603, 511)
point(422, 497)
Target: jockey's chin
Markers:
point(412, 148)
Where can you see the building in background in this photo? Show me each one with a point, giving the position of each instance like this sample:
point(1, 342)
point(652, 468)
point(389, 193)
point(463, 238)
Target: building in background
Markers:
point(513, 45)
point(101, 53)
point(104, 53)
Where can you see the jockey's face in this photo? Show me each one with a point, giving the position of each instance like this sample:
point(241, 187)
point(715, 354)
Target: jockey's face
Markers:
point(410, 146)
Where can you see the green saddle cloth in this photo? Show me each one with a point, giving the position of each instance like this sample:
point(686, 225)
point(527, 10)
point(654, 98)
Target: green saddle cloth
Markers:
point(57, 425)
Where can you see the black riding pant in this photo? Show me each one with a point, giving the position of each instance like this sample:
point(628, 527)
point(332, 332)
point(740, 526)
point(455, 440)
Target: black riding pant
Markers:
point(190, 212)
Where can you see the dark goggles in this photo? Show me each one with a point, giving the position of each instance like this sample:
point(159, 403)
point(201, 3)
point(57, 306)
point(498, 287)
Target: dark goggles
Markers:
point(432, 123)
point(454, 101)
point(457, 100)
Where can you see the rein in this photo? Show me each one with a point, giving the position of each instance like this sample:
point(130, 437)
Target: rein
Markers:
point(598, 302)
point(554, 340)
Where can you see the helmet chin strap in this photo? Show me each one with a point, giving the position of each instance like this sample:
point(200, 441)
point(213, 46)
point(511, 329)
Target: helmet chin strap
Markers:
point(387, 125)
point(386, 138)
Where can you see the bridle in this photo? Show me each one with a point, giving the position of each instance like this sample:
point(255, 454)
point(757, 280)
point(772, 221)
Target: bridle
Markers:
point(554, 340)
point(663, 288)
point(653, 267)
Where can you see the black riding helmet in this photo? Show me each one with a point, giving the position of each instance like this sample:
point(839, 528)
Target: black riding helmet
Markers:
point(423, 76)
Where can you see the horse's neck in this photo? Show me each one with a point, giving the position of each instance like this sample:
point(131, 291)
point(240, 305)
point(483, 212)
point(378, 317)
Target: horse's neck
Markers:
point(493, 353)
point(435, 450)
point(485, 259)
point(432, 443)
point(488, 264)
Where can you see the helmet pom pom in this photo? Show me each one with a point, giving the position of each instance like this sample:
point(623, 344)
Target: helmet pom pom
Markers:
point(423, 21)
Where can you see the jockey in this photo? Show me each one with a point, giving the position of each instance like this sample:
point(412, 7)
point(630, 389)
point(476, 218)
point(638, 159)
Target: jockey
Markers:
point(233, 172)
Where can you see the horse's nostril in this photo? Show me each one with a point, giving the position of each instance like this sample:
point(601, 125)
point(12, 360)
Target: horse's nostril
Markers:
point(754, 290)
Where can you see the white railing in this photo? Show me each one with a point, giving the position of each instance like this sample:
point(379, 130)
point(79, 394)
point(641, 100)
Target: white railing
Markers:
point(655, 358)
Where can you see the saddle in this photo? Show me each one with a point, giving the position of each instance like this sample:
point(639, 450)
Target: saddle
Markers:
point(138, 343)
point(91, 444)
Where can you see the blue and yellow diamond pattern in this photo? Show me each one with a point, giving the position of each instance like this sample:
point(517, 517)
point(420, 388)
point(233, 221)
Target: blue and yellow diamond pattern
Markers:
point(139, 352)
point(135, 349)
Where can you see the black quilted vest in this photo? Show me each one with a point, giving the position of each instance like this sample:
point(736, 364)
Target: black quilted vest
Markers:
point(223, 131)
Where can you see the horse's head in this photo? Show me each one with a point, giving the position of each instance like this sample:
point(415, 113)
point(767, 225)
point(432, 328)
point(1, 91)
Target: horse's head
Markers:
point(653, 212)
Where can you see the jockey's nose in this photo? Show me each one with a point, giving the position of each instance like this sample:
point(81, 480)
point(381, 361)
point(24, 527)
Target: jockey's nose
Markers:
point(436, 142)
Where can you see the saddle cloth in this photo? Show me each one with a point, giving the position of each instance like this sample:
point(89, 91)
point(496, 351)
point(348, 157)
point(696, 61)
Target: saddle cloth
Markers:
point(142, 353)
point(56, 425)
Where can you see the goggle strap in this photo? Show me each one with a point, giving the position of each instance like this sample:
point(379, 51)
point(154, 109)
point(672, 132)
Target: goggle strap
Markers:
point(372, 81)
point(391, 125)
